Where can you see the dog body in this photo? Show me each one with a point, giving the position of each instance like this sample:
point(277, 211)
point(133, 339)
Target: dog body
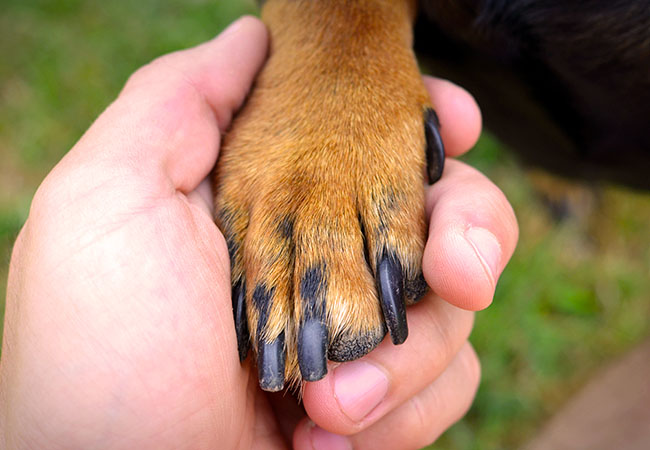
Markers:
point(319, 187)
point(565, 83)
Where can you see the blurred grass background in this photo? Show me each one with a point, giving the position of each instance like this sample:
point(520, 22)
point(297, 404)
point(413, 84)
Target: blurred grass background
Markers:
point(575, 294)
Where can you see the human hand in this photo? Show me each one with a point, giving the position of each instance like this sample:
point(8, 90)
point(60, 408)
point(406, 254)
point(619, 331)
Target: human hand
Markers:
point(119, 329)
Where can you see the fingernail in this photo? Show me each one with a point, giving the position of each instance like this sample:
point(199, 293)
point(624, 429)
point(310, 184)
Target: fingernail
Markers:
point(359, 388)
point(324, 440)
point(487, 249)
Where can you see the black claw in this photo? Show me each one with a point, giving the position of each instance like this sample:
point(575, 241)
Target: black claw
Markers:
point(312, 337)
point(241, 321)
point(312, 349)
point(390, 284)
point(270, 364)
point(435, 147)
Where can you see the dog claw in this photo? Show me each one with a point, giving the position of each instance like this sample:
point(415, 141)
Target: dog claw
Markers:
point(241, 321)
point(435, 147)
point(312, 349)
point(270, 364)
point(391, 294)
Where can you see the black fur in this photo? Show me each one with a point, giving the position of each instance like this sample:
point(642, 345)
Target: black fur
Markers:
point(565, 83)
point(313, 289)
point(262, 299)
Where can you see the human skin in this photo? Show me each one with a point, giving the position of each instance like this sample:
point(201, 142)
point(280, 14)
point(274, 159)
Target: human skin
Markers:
point(119, 330)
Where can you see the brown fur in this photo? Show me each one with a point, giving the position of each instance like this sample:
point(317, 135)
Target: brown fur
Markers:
point(324, 167)
point(322, 172)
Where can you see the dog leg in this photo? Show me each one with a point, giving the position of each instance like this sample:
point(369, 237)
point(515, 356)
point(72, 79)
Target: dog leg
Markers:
point(320, 187)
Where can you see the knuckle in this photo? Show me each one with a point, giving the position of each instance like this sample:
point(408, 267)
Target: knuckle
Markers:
point(470, 368)
point(161, 63)
point(471, 365)
point(166, 72)
point(48, 195)
point(420, 418)
point(425, 412)
point(449, 327)
point(439, 408)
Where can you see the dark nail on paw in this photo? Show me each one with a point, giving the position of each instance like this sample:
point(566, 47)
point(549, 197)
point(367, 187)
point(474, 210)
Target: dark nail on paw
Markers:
point(390, 283)
point(241, 321)
point(312, 349)
point(270, 364)
point(270, 355)
point(435, 151)
point(312, 337)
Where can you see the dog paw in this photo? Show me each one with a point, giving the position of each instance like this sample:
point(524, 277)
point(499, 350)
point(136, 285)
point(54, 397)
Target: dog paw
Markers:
point(320, 195)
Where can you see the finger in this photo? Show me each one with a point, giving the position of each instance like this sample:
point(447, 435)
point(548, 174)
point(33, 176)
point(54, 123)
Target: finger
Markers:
point(460, 117)
point(287, 411)
point(165, 125)
point(356, 394)
point(416, 423)
point(472, 235)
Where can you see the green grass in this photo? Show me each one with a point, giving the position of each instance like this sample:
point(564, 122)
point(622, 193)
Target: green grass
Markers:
point(574, 295)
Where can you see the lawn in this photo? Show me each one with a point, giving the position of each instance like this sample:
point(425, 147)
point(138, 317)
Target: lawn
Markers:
point(576, 294)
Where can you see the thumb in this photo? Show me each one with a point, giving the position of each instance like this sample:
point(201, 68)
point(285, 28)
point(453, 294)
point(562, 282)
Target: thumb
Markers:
point(165, 127)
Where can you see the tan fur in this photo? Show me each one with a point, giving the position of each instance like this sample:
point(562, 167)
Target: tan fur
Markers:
point(331, 135)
